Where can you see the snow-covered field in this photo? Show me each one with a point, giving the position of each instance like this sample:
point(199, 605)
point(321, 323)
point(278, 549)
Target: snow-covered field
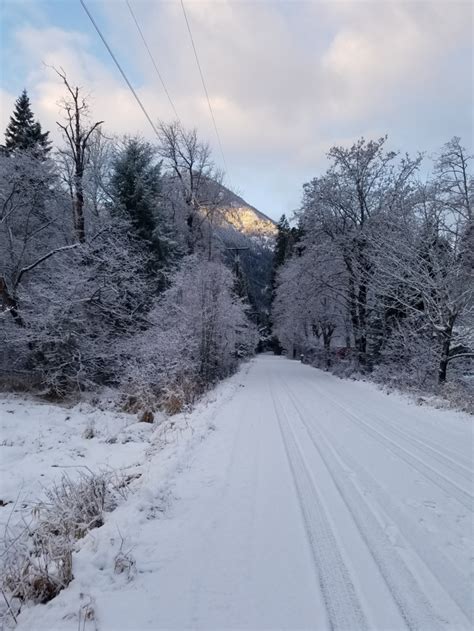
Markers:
point(289, 499)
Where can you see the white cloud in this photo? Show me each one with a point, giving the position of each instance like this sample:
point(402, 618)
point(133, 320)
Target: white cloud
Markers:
point(286, 80)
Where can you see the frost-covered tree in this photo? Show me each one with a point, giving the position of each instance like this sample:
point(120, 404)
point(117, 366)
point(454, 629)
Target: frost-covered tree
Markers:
point(309, 307)
point(199, 331)
point(385, 265)
point(24, 132)
point(33, 227)
point(347, 205)
point(424, 267)
point(192, 185)
point(78, 318)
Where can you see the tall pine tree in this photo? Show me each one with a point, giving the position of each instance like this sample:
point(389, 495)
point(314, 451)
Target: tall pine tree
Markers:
point(136, 189)
point(285, 244)
point(23, 132)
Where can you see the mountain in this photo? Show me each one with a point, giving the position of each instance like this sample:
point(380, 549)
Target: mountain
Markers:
point(248, 237)
point(246, 218)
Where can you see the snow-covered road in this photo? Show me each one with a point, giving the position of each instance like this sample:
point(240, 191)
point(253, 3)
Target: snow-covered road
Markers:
point(317, 503)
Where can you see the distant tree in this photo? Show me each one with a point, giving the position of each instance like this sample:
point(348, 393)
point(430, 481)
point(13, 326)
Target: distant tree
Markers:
point(308, 308)
point(23, 132)
point(282, 241)
point(285, 242)
point(286, 239)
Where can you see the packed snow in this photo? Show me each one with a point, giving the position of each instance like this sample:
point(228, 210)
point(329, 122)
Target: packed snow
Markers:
point(288, 499)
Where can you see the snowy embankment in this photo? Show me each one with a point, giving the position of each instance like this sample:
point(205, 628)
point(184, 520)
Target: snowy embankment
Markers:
point(40, 443)
point(288, 499)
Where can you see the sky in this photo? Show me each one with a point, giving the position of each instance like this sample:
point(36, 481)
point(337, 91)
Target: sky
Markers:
point(287, 79)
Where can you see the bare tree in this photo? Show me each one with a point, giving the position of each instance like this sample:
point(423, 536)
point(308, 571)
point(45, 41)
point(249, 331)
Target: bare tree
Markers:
point(78, 133)
point(194, 183)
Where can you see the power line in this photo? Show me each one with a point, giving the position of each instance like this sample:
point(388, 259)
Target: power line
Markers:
point(203, 84)
point(152, 59)
point(122, 72)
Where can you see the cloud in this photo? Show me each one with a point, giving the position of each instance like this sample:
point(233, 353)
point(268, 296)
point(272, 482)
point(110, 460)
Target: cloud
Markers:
point(286, 80)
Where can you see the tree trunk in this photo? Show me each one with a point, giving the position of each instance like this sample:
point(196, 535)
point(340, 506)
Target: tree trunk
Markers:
point(79, 223)
point(361, 340)
point(445, 349)
point(10, 302)
point(327, 335)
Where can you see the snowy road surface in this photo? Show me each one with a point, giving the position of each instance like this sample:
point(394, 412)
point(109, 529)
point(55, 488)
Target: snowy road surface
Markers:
point(316, 503)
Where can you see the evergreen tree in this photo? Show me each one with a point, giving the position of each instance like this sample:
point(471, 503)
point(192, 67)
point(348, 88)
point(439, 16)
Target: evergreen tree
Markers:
point(282, 241)
point(285, 243)
point(136, 188)
point(23, 132)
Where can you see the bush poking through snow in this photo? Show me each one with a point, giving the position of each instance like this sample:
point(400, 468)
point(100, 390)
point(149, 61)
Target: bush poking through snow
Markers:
point(147, 416)
point(86, 613)
point(89, 431)
point(34, 568)
point(37, 554)
point(73, 507)
point(125, 563)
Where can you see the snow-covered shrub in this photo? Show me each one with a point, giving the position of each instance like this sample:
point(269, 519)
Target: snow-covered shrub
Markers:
point(409, 358)
point(124, 563)
point(36, 559)
point(72, 507)
point(199, 331)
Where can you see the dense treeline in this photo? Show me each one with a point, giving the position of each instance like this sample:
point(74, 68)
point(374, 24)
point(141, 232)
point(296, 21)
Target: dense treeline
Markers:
point(377, 274)
point(111, 261)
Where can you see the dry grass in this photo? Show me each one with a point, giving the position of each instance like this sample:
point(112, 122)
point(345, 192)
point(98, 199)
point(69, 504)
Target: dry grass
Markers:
point(36, 557)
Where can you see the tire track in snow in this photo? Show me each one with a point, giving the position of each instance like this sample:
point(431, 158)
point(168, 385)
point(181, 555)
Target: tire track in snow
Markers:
point(446, 573)
point(342, 603)
point(412, 602)
point(458, 459)
point(414, 432)
point(424, 445)
point(440, 480)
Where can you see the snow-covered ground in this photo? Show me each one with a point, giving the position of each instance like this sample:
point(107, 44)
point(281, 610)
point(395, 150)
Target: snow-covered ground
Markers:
point(289, 499)
point(40, 442)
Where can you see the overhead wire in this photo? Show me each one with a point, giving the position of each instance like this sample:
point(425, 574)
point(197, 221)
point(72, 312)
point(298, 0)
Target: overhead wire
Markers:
point(155, 65)
point(137, 98)
point(203, 84)
point(122, 72)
